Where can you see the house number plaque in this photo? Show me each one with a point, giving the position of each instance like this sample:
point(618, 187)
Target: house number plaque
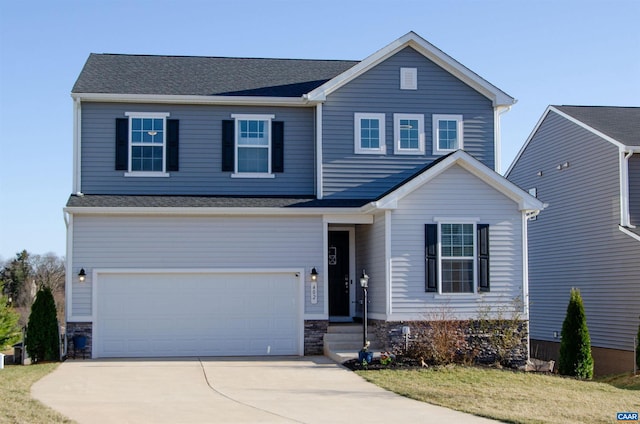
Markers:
point(333, 255)
point(314, 292)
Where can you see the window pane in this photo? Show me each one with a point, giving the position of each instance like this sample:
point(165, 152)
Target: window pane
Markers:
point(457, 276)
point(253, 133)
point(253, 159)
point(457, 240)
point(146, 158)
point(409, 134)
point(447, 134)
point(369, 134)
point(136, 123)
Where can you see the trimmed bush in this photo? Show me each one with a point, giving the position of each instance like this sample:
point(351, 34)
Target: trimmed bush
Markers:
point(42, 337)
point(575, 346)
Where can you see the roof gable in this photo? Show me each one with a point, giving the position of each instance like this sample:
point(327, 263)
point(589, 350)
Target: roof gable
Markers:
point(431, 52)
point(619, 126)
point(460, 158)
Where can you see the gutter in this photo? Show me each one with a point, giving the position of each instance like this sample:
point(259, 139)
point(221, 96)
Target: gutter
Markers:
point(303, 101)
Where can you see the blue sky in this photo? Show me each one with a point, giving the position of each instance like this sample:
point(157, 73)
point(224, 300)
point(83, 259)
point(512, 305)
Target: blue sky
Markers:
point(540, 52)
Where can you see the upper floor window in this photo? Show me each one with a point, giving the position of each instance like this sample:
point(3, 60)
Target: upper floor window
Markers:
point(447, 133)
point(408, 134)
point(252, 146)
point(146, 144)
point(369, 133)
point(408, 78)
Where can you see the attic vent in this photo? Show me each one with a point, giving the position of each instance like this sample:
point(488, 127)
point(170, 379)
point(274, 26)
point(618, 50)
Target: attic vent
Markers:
point(408, 78)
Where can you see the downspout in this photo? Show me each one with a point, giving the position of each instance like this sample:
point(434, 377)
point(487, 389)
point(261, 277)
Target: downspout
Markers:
point(525, 276)
point(497, 154)
point(319, 151)
point(77, 110)
point(625, 219)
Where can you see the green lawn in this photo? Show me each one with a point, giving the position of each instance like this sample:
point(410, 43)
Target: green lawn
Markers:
point(515, 397)
point(16, 404)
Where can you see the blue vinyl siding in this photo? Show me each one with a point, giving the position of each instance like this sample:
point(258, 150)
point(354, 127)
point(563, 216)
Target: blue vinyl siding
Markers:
point(200, 152)
point(575, 242)
point(347, 175)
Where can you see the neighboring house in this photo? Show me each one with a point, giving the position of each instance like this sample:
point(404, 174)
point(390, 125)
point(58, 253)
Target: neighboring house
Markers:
point(584, 161)
point(227, 206)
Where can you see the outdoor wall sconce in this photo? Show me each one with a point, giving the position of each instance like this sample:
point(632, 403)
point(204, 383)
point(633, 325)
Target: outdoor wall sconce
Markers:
point(82, 275)
point(314, 274)
point(364, 280)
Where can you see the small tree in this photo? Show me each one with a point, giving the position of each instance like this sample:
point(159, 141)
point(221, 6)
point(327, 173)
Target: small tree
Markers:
point(575, 346)
point(42, 338)
point(9, 328)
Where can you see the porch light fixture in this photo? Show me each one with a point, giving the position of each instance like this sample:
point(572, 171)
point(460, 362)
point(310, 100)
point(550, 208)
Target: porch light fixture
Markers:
point(82, 275)
point(364, 280)
point(314, 274)
point(364, 283)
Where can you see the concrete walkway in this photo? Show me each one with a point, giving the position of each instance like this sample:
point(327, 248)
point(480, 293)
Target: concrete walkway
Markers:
point(227, 390)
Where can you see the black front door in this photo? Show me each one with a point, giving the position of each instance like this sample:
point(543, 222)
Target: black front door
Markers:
point(338, 273)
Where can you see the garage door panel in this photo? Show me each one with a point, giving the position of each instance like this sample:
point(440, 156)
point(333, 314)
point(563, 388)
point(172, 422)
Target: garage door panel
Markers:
point(204, 314)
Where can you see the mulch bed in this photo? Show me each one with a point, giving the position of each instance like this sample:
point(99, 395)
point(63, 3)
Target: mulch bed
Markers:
point(398, 363)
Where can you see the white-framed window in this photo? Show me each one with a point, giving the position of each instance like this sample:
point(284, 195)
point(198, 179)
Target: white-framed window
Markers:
point(408, 134)
point(252, 145)
point(457, 257)
point(147, 143)
point(447, 133)
point(369, 133)
point(408, 78)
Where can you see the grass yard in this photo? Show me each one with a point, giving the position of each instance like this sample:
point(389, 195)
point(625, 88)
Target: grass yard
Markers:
point(515, 396)
point(16, 404)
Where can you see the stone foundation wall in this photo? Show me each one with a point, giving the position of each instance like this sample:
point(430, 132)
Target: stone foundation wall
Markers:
point(314, 331)
point(479, 338)
point(81, 329)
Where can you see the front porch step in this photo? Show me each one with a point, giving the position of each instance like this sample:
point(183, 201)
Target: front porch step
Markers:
point(347, 339)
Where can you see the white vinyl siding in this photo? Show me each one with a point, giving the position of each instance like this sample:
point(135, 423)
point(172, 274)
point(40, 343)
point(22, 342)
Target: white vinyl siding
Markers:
point(451, 195)
point(163, 242)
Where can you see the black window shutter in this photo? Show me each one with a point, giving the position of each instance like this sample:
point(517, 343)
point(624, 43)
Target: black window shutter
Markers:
point(173, 135)
point(277, 146)
point(431, 257)
point(228, 146)
point(122, 144)
point(483, 257)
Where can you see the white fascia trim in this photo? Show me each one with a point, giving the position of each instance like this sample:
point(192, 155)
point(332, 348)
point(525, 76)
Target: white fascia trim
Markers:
point(629, 233)
point(411, 39)
point(353, 213)
point(525, 200)
point(623, 163)
point(180, 99)
point(497, 136)
point(319, 176)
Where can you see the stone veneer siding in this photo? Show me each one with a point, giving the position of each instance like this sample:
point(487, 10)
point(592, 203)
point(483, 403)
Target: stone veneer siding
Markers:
point(83, 329)
point(477, 344)
point(314, 331)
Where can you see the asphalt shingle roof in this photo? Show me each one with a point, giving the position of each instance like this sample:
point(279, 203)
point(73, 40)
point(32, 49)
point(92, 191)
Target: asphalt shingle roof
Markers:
point(619, 123)
point(205, 76)
point(146, 201)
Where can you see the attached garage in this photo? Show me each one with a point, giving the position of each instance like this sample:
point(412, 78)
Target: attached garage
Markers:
point(186, 313)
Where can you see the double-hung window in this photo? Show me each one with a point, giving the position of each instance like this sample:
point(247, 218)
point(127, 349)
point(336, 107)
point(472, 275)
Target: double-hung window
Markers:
point(145, 152)
point(253, 145)
point(457, 256)
point(447, 133)
point(408, 131)
point(369, 133)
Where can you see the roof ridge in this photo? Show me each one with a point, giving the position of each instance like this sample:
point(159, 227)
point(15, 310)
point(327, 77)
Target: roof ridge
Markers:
point(222, 57)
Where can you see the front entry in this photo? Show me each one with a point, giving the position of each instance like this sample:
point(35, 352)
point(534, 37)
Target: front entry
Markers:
point(339, 280)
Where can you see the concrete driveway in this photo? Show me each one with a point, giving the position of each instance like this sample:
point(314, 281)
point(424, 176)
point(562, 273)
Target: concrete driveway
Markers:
point(227, 390)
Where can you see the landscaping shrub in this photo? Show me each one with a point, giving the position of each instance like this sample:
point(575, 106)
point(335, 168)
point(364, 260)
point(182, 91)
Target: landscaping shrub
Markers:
point(42, 337)
point(575, 345)
point(9, 328)
point(503, 330)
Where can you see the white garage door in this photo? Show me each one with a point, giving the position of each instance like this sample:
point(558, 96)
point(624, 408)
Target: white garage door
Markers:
point(193, 314)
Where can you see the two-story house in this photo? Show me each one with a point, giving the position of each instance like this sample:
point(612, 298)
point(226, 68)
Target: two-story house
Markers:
point(584, 161)
point(228, 206)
